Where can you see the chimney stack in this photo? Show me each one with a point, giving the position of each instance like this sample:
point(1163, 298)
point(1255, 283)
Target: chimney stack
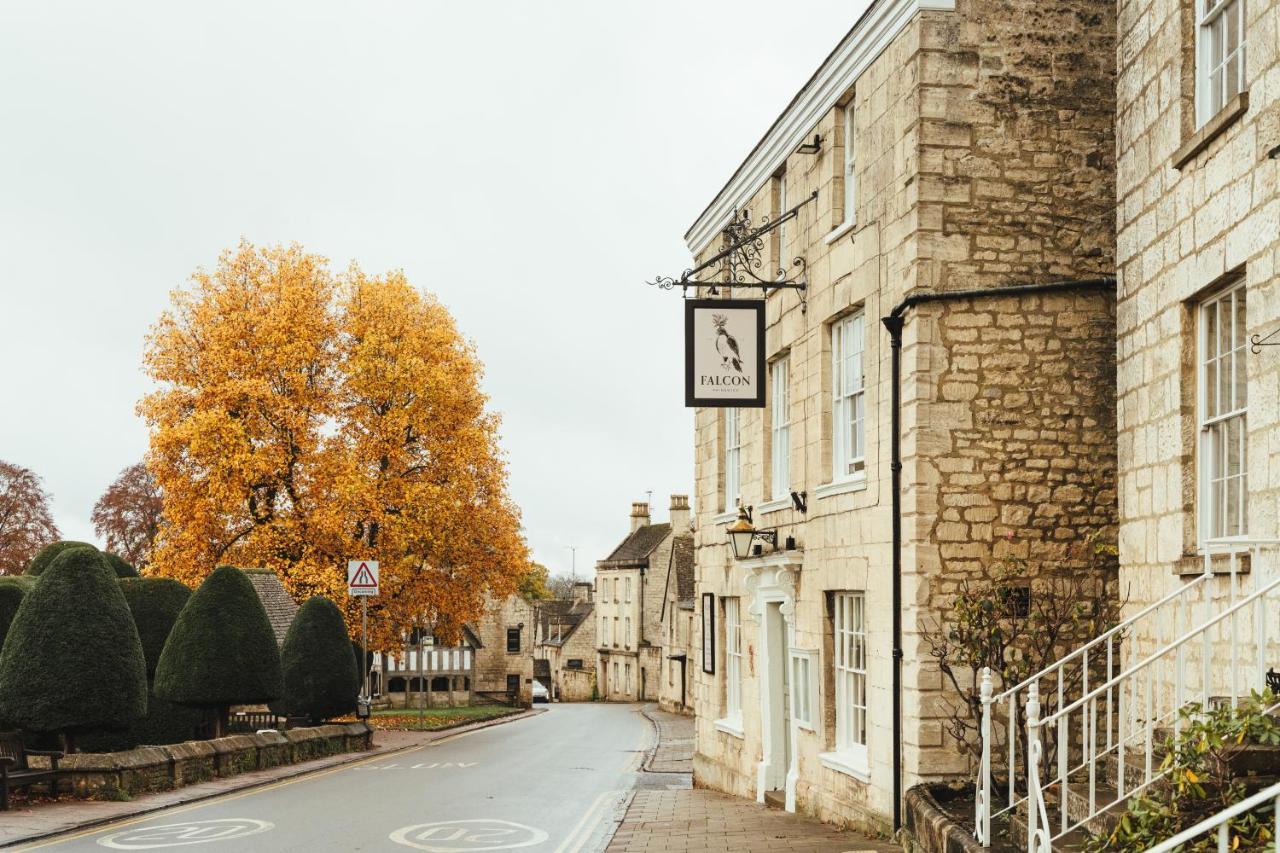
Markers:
point(582, 592)
point(679, 515)
point(639, 516)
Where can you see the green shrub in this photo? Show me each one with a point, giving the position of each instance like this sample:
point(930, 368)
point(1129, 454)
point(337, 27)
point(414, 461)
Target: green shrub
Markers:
point(320, 678)
point(49, 553)
point(221, 651)
point(155, 604)
point(12, 591)
point(73, 660)
point(119, 565)
point(165, 722)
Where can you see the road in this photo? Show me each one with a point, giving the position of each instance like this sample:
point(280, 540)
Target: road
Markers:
point(553, 783)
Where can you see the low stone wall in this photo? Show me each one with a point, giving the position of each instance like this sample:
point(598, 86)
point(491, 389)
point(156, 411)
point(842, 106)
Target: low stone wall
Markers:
point(929, 829)
point(577, 685)
point(161, 768)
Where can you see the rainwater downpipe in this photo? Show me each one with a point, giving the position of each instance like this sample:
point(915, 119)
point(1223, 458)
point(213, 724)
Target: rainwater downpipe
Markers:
point(894, 324)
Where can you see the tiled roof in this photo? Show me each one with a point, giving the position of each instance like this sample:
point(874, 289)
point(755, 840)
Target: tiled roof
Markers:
point(640, 544)
point(275, 598)
point(682, 565)
point(562, 611)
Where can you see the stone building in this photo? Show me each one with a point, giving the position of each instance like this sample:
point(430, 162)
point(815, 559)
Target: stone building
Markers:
point(951, 169)
point(630, 586)
point(675, 688)
point(565, 647)
point(504, 660)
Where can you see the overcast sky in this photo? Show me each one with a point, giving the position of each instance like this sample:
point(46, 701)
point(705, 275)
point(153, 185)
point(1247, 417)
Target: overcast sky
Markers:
point(530, 163)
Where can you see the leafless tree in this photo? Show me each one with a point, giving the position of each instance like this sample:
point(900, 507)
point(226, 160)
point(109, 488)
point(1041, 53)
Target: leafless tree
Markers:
point(128, 515)
point(26, 524)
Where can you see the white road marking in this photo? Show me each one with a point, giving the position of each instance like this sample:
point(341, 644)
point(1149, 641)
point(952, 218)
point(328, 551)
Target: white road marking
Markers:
point(583, 830)
point(468, 836)
point(181, 834)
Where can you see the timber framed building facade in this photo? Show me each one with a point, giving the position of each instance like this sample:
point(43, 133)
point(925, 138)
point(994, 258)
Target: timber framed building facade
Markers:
point(964, 148)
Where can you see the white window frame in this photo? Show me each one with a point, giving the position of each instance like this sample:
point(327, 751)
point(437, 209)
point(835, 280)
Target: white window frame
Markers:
point(1222, 415)
point(782, 226)
point(1214, 19)
point(732, 720)
point(848, 398)
point(616, 633)
point(780, 429)
point(804, 694)
point(627, 628)
point(849, 664)
point(627, 589)
point(850, 168)
point(732, 458)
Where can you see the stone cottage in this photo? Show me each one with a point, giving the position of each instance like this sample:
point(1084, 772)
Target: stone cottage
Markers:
point(940, 395)
point(675, 688)
point(565, 648)
point(630, 588)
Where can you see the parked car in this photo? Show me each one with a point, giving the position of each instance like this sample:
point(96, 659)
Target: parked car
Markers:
point(540, 692)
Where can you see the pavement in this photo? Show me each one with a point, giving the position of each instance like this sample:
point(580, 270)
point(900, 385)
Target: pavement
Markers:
point(576, 778)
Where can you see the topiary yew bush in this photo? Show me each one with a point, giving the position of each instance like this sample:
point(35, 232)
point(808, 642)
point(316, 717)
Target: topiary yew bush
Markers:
point(221, 651)
point(72, 660)
point(12, 591)
point(155, 604)
point(119, 565)
point(320, 678)
point(44, 559)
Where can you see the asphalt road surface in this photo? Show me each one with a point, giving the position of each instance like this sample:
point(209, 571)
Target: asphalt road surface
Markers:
point(553, 783)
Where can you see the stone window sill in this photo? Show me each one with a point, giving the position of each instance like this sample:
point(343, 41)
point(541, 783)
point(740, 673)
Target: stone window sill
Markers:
point(1212, 129)
point(730, 727)
point(774, 506)
point(1190, 565)
point(724, 517)
point(838, 232)
point(846, 763)
point(840, 487)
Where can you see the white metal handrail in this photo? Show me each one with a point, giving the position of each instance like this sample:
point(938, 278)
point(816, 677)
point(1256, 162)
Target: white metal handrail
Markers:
point(1141, 714)
point(1219, 822)
point(1181, 600)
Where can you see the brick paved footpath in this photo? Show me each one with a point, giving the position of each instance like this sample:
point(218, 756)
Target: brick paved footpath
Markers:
point(701, 821)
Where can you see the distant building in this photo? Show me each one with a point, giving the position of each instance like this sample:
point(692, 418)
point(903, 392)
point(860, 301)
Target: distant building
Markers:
point(630, 585)
point(504, 660)
point(280, 607)
point(565, 646)
point(675, 690)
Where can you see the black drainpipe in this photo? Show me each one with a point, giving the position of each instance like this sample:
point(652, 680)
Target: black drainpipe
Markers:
point(894, 323)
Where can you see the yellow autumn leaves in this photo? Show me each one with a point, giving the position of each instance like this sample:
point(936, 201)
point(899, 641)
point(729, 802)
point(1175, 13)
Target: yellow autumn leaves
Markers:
point(300, 414)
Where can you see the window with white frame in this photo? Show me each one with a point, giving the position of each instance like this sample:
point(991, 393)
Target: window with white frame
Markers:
point(850, 172)
point(1220, 65)
point(732, 458)
point(780, 445)
point(617, 635)
point(850, 635)
point(848, 399)
point(802, 698)
point(628, 634)
point(628, 589)
point(1222, 414)
point(732, 660)
point(604, 631)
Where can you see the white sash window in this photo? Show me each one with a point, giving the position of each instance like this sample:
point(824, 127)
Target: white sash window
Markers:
point(780, 447)
point(848, 409)
point(1222, 410)
point(1220, 68)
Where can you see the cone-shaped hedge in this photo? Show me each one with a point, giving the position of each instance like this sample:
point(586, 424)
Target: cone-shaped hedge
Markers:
point(155, 604)
point(12, 591)
point(221, 650)
point(44, 559)
point(73, 660)
point(119, 565)
point(320, 679)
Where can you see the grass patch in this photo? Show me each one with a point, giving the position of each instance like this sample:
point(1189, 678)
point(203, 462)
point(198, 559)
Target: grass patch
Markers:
point(434, 719)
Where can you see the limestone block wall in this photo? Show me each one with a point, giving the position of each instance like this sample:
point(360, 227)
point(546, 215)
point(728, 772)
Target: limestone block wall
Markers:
point(985, 159)
point(1186, 222)
point(493, 663)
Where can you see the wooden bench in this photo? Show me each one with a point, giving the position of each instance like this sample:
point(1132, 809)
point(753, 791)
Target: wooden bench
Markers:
point(16, 772)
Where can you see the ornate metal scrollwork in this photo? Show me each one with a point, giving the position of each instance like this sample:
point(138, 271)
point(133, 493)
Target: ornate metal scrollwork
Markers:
point(740, 261)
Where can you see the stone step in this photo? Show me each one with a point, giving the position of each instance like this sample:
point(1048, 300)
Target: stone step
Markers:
point(776, 799)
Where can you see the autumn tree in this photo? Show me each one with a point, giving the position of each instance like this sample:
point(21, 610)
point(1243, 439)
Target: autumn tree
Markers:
point(535, 583)
point(128, 514)
point(304, 419)
point(26, 525)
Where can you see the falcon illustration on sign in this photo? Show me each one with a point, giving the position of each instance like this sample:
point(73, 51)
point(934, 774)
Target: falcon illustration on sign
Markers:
point(726, 346)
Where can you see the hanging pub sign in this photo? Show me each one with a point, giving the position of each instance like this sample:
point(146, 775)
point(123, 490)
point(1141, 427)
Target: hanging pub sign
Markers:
point(724, 353)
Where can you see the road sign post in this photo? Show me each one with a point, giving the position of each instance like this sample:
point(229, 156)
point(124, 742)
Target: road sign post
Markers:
point(362, 581)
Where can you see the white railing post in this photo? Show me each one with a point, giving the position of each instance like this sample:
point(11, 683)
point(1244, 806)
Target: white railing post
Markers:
point(1034, 794)
point(982, 816)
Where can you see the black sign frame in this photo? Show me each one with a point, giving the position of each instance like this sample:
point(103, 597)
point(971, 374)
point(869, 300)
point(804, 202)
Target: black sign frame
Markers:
point(709, 633)
point(691, 398)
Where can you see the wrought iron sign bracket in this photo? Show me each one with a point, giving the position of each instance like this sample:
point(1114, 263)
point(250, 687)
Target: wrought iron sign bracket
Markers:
point(739, 263)
point(1257, 342)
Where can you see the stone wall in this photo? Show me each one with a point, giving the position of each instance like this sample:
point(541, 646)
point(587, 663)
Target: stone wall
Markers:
point(161, 768)
point(1188, 219)
point(984, 159)
point(493, 663)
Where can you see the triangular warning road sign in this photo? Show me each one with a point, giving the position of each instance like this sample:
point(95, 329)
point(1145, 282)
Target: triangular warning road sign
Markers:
point(363, 578)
